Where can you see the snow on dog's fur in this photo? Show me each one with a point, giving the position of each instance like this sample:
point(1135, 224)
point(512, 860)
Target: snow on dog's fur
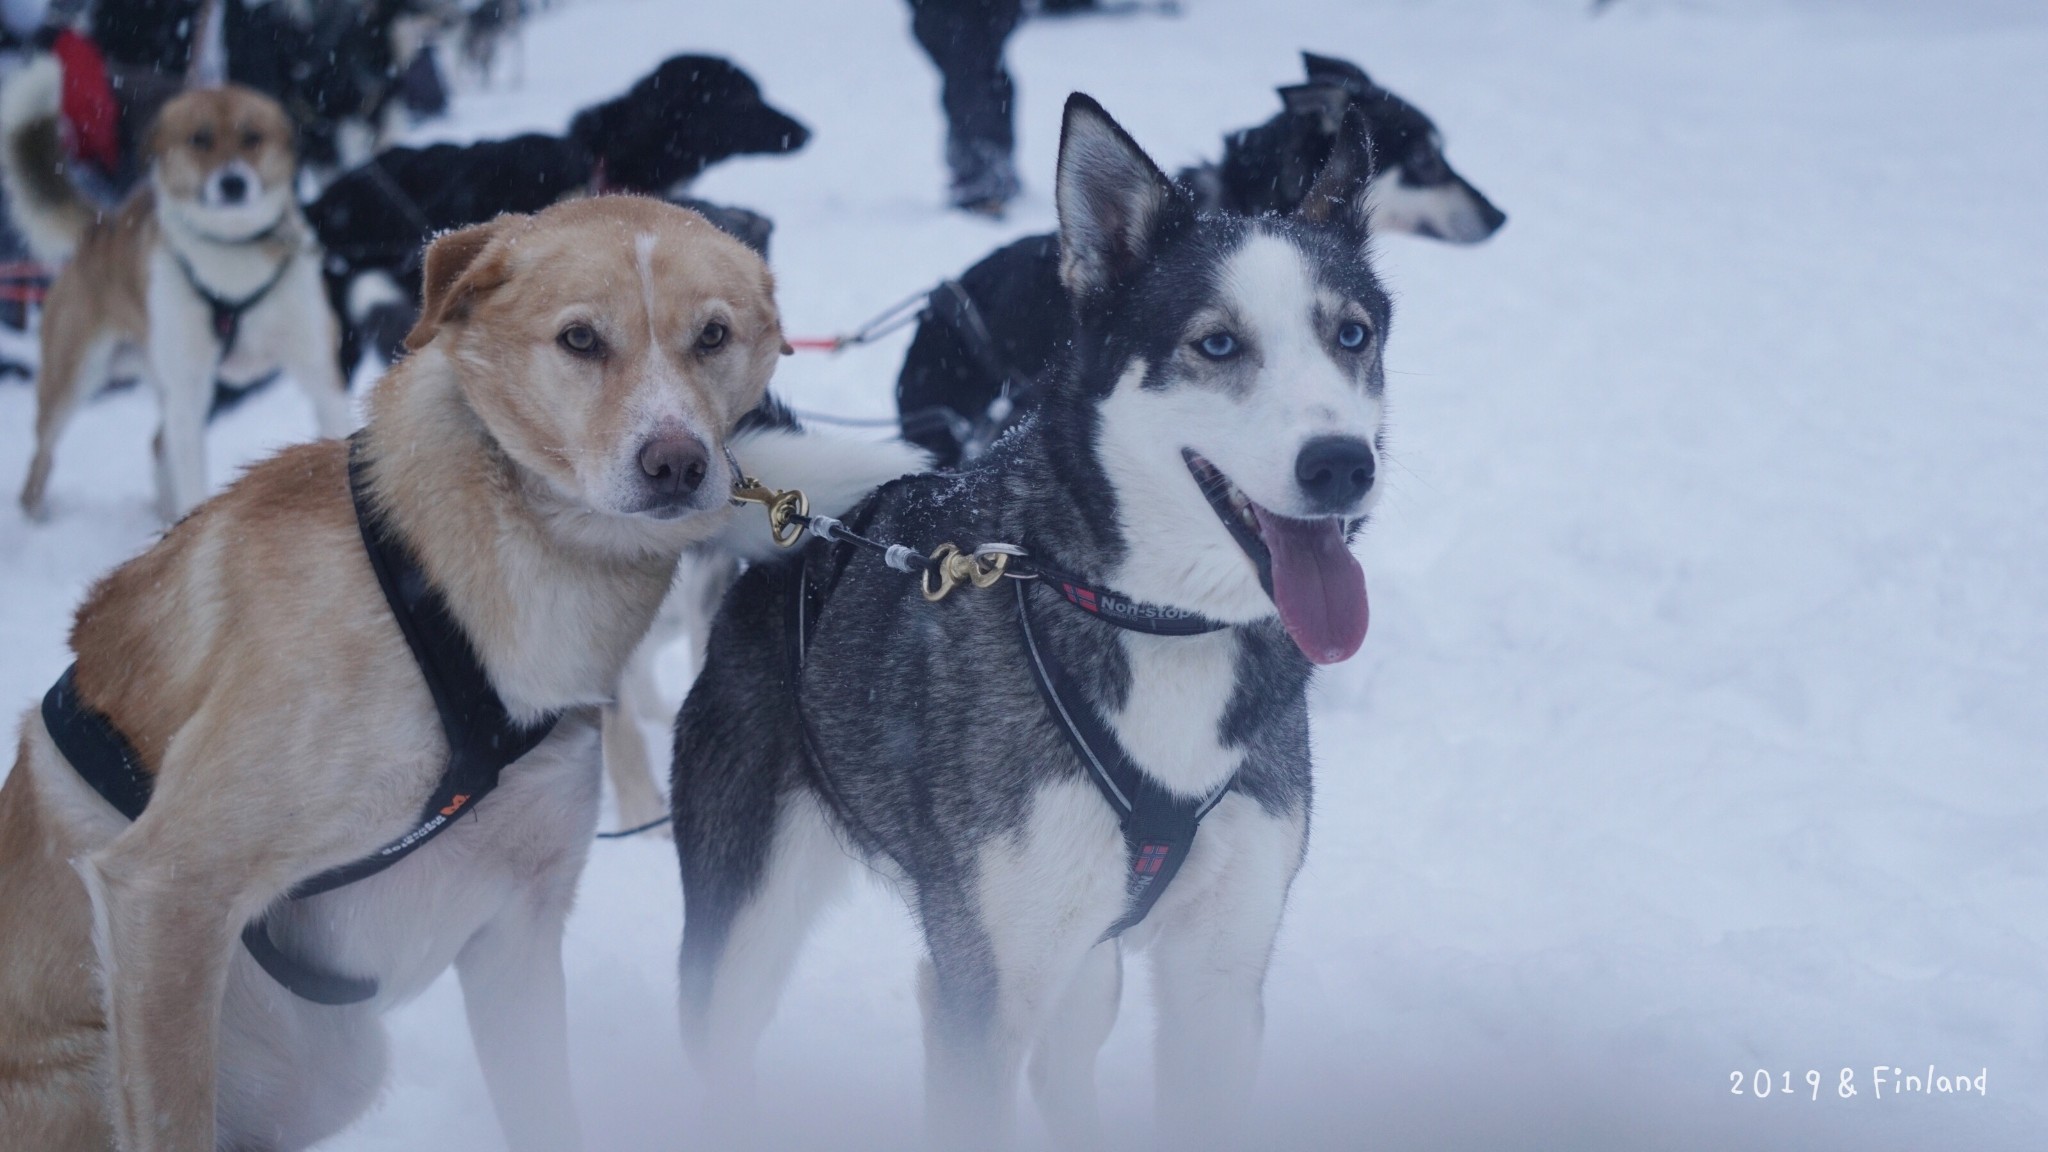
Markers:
point(1209, 446)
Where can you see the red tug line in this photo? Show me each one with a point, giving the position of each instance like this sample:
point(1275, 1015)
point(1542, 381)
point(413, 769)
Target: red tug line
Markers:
point(24, 282)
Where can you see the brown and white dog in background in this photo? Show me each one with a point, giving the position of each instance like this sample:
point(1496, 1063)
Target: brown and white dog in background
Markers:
point(555, 441)
point(208, 271)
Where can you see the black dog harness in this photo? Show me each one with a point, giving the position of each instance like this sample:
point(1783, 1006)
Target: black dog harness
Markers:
point(227, 314)
point(1158, 826)
point(226, 321)
point(482, 741)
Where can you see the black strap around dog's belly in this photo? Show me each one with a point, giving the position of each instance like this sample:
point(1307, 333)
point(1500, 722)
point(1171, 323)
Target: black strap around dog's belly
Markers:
point(1159, 827)
point(482, 741)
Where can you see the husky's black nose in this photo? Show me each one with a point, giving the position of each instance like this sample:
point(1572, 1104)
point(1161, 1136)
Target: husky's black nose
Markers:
point(233, 187)
point(1335, 473)
point(674, 463)
point(1490, 217)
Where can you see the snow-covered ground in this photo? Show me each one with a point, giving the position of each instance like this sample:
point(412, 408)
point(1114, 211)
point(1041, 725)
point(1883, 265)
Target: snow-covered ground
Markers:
point(1694, 734)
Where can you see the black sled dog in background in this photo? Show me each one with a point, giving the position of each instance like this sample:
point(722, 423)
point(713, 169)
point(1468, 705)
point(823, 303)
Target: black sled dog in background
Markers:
point(1029, 763)
point(374, 220)
point(988, 338)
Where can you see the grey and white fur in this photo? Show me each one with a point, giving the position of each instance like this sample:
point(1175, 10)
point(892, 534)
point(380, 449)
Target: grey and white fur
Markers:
point(1252, 342)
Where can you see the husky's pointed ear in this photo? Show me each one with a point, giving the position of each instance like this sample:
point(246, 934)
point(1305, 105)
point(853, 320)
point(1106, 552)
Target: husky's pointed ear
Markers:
point(1343, 73)
point(1341, 192)
point(454, 276)
point(1324, 102)
point(1114, 203)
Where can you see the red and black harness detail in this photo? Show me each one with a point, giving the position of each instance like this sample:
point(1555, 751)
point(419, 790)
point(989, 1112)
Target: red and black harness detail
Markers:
point(1159, 826)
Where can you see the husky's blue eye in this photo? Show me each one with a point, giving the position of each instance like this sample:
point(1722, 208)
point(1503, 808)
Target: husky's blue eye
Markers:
point(1351, 336)
point(1218, 345)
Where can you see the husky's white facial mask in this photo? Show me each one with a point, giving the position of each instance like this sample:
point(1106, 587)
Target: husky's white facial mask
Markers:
point(1234, 369)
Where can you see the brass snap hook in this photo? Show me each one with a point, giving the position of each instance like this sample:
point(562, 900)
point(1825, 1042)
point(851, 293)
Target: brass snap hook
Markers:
point(788, 512)
point(952, 567)
point(786, 517)
point(989, 568)
point(943, 560)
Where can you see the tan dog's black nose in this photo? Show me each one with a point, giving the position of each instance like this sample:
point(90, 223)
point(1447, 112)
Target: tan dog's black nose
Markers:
point(675, 463)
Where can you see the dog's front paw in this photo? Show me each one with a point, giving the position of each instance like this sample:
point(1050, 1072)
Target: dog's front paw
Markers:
point(35, 490)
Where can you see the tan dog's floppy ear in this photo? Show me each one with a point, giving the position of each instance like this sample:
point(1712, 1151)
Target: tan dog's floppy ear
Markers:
point(453, 278)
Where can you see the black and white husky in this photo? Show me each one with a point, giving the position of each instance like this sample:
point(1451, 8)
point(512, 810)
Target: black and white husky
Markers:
point(987, 338)
point(1205, 457)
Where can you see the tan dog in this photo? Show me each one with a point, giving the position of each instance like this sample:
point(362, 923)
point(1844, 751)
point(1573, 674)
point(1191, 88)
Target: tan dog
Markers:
point(556, 440)
point(208, 271)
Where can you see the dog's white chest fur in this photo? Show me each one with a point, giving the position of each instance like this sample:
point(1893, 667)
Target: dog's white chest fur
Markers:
point(1172, 719)
point(279, 299)
point(528, 837)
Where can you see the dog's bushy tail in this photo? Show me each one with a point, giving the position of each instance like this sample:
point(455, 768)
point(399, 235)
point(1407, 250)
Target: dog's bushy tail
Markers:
point(47, 211)
point(834, 471)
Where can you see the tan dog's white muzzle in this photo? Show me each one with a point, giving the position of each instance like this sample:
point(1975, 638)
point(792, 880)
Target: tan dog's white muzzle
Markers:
point(232, 185)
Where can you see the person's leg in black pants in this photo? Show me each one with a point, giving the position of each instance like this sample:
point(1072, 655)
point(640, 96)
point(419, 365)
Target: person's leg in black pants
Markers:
point(965, 39)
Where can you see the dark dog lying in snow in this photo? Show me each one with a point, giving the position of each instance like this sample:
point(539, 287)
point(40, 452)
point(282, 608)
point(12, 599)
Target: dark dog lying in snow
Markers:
point(374, 221)
point(987, 339)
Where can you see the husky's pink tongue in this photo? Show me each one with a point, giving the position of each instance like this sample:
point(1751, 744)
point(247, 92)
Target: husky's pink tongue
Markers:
point(1317, 584)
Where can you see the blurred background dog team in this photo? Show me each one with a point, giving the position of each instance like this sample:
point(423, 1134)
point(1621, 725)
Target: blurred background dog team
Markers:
point(985, 340)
